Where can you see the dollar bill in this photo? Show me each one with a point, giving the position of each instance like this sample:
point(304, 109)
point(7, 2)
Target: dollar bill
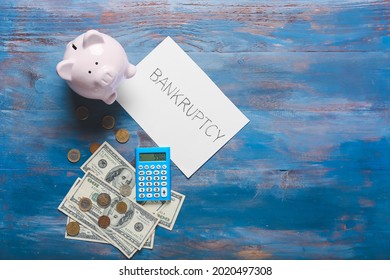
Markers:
point(88, 235)
point(71, 210)
point(135, 226)
point(85, 234)
point(150, 242)
point(169, 213)
point(107, 164)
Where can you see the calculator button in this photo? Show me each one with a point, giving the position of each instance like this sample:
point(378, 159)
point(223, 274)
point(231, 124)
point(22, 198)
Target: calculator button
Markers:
point(141, 195)
point(148, 172)
point(152, 166)
point(141, 184)
point(146, 166)
point(149, 189)
point(156, 195)
point(140, 167)
point(156, 172)
point(149, 195)
point(156, 189)
point(141, 189)
point(164, 166)
point(164, 184)
point(141, 178)
point(164, 178)
point(149, 184)
point(141, 172)
point(149, 178)
point(164, 192)
point(158, 166)
point(164, 172)
point(156, 184)
point(156, 178)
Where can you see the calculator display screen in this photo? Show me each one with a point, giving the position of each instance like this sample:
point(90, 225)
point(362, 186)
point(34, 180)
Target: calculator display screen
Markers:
point(152, 156)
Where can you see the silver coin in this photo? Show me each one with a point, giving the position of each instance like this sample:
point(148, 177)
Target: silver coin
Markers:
point(125, 190)
point(138, 227)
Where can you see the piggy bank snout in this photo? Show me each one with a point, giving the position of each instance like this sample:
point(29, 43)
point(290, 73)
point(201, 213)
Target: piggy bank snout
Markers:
point(107, 76)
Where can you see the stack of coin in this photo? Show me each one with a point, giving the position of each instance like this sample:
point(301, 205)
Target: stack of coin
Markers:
point(108, 122)
point(74, 155)
point(122, 135)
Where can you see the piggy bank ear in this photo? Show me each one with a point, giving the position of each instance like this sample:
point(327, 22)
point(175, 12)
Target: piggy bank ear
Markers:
point(92, 37)
point(64, 69)
point(130, 71)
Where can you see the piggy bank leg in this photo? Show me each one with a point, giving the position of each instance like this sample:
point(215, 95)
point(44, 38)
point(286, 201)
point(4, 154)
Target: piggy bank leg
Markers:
point(130, 71)
point(110, 98)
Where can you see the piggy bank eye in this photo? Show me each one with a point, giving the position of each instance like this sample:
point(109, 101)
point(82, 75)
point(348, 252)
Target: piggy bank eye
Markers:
point(74, 47)
point(89, 72)
point(96, 63)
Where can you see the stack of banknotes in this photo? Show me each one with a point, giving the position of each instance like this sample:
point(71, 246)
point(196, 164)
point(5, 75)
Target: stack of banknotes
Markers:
point(101, 206)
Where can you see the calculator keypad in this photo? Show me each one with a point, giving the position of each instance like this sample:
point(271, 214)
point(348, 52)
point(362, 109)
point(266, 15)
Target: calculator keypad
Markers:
point(154, 183)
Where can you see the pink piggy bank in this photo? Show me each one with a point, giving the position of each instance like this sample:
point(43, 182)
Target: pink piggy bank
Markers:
point(94, 64)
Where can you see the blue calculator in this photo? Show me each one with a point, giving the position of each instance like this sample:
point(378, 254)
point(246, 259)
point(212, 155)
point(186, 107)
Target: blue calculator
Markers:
point(153, 174)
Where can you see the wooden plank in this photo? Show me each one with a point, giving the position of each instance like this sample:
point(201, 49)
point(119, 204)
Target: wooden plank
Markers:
point(215, 26)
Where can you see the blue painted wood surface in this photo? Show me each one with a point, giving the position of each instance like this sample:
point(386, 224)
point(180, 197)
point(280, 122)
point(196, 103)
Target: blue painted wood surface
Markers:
point(307, 178)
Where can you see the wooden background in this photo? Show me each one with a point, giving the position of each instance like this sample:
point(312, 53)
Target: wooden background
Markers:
point(307, 178)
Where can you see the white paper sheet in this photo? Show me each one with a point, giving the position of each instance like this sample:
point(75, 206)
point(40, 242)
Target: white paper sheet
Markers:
point(179, 106)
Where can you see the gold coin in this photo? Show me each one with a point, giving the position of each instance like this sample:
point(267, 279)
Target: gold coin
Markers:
point(125, 190)
point(122, 135)
point(103, 200)
point(121, 207)
point(82, 113)
point(74, 155)
point(93, 147)
point(73, 228)
point(108, 122)
point(104, 221)
point(85, 204)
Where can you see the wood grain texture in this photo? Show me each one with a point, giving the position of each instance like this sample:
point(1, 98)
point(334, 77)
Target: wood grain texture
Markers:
point(307, 178)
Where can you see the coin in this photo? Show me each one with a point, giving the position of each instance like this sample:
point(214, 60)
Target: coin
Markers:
point(121, 207)
point(138, 227)
point(73, 228)
point(82, 113)
point(93, 147)
point(108, 122)
point(125, 190)
point(74, 155)
point(122, 135)
point(103, 200)
point(85, 204)
point(104, 221)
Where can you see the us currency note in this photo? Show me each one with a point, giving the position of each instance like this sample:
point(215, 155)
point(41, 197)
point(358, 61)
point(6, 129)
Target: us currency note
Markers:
point(85, 234)
point(135, 225)
point(169, 213)
point(72, 210)
point(88, 235)
point(107, 164)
